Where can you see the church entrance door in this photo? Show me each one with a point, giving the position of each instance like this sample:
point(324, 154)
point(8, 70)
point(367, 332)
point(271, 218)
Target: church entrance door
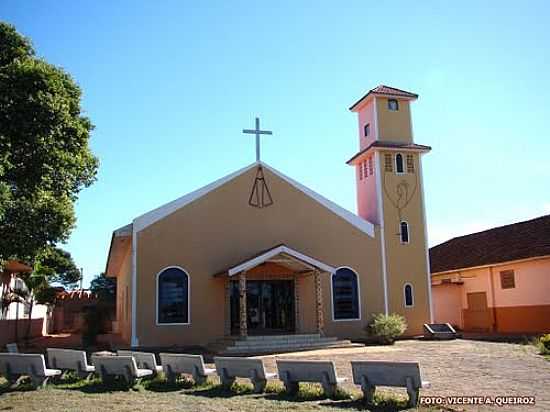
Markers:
point(270, 307)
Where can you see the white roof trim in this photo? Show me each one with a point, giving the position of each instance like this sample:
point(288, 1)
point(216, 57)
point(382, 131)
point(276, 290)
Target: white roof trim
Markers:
point(123, 231)
point(252, 263)
point(155, 215)
point(357, 221)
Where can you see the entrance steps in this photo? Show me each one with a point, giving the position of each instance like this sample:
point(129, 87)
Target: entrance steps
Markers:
point(252, 345)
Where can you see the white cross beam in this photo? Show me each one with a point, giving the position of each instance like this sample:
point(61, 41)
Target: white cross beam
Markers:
point(257, 132)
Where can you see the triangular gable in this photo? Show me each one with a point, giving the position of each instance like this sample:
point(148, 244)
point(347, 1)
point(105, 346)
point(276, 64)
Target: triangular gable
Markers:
point(155, 215)
point(308, 261)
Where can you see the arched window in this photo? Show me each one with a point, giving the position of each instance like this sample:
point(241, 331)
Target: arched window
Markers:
point(404, 232)
point(173, 296)
point(345, 295)
point(399, 163)
point(408, 295)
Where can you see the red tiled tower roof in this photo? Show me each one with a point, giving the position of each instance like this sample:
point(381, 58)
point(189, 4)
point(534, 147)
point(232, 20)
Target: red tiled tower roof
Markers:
point(383, 90)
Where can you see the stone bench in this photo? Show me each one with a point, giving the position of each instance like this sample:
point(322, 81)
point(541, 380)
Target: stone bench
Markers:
point(144, 360)
point(125, 366)
point(230, 368)
point(370, 374)
point(292, 372)
point(70, 360)
point(175, 364)
point(15, 365)
point(12, 348)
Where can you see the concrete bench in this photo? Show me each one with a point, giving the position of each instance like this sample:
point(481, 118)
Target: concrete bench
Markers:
point(175, 364)
point(125, 366)
point(230, 368)
point(144, 360)
point(15, 365)
point(370, 374)
point(292, 372)
point(12, 348)
point(70, 360)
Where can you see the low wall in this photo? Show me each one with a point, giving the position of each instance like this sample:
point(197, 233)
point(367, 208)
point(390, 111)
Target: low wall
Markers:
point(7, 330)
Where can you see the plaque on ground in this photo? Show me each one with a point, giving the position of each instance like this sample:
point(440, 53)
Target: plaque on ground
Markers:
point(439, 331)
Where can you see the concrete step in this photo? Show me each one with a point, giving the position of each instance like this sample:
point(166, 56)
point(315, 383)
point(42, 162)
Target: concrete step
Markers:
point(290, 347)
point(287, 341)
point(283, 337)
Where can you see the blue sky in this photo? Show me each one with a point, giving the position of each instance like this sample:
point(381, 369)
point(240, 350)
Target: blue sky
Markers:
point(170, 85)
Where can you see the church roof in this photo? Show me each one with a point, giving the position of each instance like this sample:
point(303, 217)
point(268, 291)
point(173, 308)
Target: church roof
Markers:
point(383, 90)
point(523, 240)
point(157, 214)
point(390, 145)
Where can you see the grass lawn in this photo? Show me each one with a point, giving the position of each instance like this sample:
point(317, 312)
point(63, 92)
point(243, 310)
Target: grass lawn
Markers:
point(72, 394)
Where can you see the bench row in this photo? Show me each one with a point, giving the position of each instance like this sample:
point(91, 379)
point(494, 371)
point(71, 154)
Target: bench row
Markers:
point(133, 366)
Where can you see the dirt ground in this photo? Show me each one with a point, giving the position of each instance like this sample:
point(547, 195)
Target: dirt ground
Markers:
point(457, 368)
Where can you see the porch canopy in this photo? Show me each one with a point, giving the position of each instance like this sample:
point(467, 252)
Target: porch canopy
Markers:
point(283, 256)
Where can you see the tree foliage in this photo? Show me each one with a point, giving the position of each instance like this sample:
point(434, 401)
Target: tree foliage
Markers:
point(104, 287)
point(45, 160)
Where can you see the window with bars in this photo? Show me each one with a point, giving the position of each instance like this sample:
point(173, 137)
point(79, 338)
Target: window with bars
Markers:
point(173, 296)
point(345, 295)
point(388, 166)
point(360, 171)
point(371, 166)
point(410, 163)
point(507, 279)
point(365, 169)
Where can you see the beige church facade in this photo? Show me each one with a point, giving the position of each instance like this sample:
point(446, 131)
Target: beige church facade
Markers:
point(213, 264)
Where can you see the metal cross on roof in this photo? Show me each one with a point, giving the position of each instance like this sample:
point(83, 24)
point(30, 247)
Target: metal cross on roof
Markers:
point(257, 132)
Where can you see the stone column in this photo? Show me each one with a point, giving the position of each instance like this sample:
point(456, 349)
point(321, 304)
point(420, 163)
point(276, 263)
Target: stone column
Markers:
point(297, 326)
point(242, 304)
point(227, 323)
point(319, 301)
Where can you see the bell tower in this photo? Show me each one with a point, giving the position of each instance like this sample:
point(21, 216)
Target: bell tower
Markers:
point(390, 194)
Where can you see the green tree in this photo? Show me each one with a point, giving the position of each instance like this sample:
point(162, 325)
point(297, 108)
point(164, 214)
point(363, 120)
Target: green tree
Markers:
point(53, 265)
point(45, 160)
point(104, 287)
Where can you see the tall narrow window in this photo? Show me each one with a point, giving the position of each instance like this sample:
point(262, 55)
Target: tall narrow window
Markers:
point(173, 296)
point(345, 295)
point(360, 171)
point(365, 169)
point(399, 163)
point(410, 163)
point(408, 295)
point(388, 167)
point(366, 129)
point(393, 105)
point(404, 232)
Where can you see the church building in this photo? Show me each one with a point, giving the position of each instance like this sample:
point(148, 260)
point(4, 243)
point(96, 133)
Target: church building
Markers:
point(258, 253)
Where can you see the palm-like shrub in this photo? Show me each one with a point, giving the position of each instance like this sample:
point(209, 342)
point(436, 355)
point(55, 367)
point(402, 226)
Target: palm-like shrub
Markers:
point(385, 328)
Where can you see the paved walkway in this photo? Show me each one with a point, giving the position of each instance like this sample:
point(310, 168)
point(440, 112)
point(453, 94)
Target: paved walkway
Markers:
point(457, 368)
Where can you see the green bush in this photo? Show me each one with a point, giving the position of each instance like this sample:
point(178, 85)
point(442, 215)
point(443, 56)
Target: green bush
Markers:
point(385, 328)
point(543, 344)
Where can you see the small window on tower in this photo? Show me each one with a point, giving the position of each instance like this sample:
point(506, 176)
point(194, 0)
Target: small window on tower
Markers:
point(408, 295)
point(360, 171)
point(399, 163)
point(393, 105)
point(365, 169)
point(410, 163)
point(367, 129)
point(388, 166)
point(404, 232)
